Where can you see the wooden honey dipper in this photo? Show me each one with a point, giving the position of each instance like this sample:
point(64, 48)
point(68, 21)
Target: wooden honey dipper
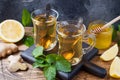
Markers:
point(100, 29)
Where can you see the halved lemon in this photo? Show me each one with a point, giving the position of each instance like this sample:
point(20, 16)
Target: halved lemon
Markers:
point(115, 68)
point(11, 31)
point(110, 54)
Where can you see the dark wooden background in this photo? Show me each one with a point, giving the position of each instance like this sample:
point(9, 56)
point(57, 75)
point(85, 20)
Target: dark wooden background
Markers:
point(88, 9)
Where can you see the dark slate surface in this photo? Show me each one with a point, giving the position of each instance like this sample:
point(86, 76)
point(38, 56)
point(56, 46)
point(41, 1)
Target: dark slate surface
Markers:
point(88, 9)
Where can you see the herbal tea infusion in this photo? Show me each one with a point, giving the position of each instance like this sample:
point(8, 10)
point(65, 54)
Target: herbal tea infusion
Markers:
point(70, 42)
point(70, 37)
point(45, 31)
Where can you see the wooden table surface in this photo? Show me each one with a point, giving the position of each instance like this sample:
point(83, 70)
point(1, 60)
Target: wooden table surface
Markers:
point(37, 74)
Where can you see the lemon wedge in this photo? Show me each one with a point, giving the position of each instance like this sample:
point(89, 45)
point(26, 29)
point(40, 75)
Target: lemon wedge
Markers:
point(110, 53)
point(11, 31)
point(115, 68)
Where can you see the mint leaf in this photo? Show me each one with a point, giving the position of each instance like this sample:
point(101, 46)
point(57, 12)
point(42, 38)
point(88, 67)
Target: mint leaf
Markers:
point(50, 72)
point(118, 42)
point(62, 64)
point(51, 58)
point(38, 51)
point(114, 34)
point(40, 62)
point(41, 65)
point(119, 27)
point(28, 41)
point(26, 18)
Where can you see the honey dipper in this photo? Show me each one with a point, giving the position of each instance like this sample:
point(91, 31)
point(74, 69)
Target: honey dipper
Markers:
point(99, 29)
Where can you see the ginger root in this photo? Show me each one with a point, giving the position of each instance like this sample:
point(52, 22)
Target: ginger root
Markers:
point(16, 63)
point(7, 49)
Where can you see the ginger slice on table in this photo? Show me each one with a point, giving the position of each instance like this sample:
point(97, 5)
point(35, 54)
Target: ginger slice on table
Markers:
point(16, 63)
point(7, 49)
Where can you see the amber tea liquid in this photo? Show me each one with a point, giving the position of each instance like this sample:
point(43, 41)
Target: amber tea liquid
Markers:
point(45, 31)
point(70, 43)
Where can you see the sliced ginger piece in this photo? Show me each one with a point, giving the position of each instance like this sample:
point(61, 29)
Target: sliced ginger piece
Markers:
point(16, 63)
point(7, 49)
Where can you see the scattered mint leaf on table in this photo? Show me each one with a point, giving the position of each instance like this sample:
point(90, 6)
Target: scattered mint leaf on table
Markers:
point(62, 64)
point(26, 18)
point(38, 51)
point(118, 42)
point(119, 28)
point(39, 62)
point(41, 65)
point(51, 58)
point(50, 63)
point(28, 41)
point(114, 34)
point(50, 72)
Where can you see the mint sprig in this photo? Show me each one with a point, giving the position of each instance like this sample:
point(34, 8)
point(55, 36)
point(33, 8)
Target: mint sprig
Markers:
point(50, 63)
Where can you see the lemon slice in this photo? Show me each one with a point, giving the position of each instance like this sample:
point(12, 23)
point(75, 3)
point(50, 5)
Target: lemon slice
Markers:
point(11, 31)
point(115, 68)
point(110, 53)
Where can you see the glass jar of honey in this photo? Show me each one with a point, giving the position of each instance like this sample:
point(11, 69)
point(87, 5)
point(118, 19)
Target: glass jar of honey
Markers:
point(104, 38)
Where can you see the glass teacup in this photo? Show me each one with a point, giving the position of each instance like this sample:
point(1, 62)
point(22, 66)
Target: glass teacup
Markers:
point(45, 29)
point(71, 35)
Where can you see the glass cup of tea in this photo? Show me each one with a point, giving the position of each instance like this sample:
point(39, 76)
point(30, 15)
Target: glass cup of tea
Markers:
point(45, 28)
point(104, 38)
point(71, 35)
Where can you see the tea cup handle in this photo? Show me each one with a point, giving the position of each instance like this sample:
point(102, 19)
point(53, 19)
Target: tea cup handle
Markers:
point(86, 38)
point(56, 13)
